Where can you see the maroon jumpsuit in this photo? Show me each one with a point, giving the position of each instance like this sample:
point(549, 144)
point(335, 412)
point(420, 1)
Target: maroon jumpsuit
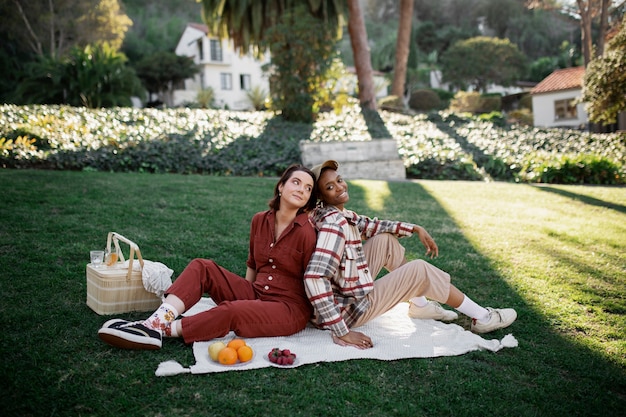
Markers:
point(274, 305)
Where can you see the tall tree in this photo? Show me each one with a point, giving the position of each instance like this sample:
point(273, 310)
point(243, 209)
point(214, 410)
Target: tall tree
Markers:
point(588, 11)
point(402, 47)
point(54, 27)
point(302, 56)
point(246, 22)
point(361, 53)
point(161, 71)
point(481, 61)
point(604, 90)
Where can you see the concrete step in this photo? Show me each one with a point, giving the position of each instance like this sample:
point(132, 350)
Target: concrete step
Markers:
point(375, 159)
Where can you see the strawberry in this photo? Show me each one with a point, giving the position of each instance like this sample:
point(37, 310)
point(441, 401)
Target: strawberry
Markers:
point(281, 357)
point(274, 355)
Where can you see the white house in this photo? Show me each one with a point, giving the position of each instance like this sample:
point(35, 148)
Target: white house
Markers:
point(555, 99)
point(225, 70)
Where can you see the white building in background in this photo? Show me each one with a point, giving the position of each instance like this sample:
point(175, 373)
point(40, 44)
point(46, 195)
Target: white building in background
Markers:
point(555, 99)
point(228, 73)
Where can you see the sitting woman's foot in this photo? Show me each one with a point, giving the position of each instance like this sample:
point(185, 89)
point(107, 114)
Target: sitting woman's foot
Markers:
point(432, 310)
point(130, 335)
point(499, 318)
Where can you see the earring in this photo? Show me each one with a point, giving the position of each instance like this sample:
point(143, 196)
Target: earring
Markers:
point(280, 194)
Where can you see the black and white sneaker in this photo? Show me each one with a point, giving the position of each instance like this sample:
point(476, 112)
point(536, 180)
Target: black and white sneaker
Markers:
point(130, 335)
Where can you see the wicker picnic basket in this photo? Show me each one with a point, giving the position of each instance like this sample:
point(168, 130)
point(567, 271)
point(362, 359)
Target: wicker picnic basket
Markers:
point(119, 288)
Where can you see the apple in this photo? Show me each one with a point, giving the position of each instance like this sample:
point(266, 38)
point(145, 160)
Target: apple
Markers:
point(214, 349)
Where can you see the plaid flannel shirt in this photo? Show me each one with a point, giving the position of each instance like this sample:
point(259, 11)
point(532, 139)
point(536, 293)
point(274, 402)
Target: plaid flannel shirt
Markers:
point(337, 278)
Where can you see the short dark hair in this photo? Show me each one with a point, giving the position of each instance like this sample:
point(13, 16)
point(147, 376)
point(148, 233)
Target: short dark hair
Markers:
point(274, 203)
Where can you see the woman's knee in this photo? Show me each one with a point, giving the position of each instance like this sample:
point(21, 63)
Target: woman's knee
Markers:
point(419, 265)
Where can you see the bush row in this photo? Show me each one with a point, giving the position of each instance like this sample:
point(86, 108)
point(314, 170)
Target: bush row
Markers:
point(437, 145)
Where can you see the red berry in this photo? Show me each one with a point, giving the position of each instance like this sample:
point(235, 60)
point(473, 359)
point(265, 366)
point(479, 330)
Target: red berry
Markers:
point(286, 352)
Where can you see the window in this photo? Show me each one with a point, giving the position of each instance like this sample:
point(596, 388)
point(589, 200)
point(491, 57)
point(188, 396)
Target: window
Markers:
point(565, 109)
point(200, 50)
point(216, 50)
point(226, 81)
point(245, 81)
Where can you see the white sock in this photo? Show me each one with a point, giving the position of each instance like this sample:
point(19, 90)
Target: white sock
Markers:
point(419, 301)
point(173, 329)
point(162, 319)
point(473, 310)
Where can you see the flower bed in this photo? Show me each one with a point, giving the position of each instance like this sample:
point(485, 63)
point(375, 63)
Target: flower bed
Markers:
point(435, 146)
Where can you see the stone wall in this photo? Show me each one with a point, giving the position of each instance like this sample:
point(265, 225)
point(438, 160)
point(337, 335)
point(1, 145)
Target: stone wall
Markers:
point(375, 159)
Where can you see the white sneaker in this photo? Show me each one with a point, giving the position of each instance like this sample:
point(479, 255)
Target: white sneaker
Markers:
point(499, 318)
point(432, 310)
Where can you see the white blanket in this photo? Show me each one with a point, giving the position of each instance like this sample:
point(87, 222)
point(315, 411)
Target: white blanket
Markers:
point(395, 336)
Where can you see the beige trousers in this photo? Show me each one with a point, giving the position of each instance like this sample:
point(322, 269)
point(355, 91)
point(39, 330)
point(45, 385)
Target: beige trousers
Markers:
point(403, 282)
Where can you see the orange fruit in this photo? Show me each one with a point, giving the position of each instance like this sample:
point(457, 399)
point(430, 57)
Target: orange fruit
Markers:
point(112, 259)
point(236, 343)
point(245, 353)
point(227, 356)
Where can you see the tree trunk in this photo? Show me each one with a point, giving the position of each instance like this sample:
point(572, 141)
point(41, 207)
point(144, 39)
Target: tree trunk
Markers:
point(402, 47)
point(604, 23)
point(361, 52)
point(584, 9)
point(34, 41)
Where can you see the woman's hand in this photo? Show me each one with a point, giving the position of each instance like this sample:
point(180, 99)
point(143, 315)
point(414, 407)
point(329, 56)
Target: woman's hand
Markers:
point(355, 339)
point(427, 241)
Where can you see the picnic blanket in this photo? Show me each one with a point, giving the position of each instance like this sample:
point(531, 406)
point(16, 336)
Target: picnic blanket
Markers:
point(395, 336)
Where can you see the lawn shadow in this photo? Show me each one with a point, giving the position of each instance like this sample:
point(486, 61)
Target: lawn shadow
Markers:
point(582, 198)
point(375, 124)
point(269, 153)
point(546, 349)
point(603, 291)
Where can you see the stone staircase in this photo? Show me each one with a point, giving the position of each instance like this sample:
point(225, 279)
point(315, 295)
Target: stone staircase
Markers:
point(376, 159)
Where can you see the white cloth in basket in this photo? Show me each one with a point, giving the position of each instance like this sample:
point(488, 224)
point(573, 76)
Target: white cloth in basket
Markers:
point(156, 277)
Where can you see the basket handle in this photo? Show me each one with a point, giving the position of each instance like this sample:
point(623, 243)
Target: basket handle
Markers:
point(114, 238)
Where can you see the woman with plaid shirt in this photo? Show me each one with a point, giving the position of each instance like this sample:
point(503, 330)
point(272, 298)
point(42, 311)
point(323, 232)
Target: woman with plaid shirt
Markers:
point(339, 278)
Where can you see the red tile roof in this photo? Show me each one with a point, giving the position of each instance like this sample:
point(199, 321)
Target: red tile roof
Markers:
point(561, 79)
point(199, 26)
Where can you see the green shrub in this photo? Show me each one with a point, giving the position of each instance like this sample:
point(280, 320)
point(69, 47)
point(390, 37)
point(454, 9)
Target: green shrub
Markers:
point(206, 98)
point(434, 168)
point(424, 100)
point(572, 169)
point(391, 103)
point(466, 102)
point(94, 76)
point(494, 117)
point(258, 97)
point(491, 103)
point(521, 116)
point(303, 51)
point(526, 102)
point(476, 103)
point(444, 95)
point(436, 145)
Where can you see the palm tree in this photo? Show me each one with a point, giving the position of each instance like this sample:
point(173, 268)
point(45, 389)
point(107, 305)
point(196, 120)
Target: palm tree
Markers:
point(246, 21)
point(361, 53)
point(402, 47)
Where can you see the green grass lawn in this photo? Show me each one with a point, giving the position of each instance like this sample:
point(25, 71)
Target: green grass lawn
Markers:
point(555, 253)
